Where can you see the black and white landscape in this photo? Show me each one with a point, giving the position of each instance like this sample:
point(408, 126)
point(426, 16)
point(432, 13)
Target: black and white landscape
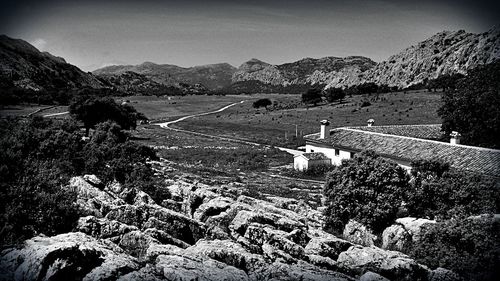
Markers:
point(249, 140)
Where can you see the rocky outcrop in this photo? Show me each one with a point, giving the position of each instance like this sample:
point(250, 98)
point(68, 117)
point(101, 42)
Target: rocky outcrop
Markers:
point(306, 71)
point(401, 235)
point(64, 257)
point(444, 53)
point(358, 233)
point(391, 264)
point(216, 236)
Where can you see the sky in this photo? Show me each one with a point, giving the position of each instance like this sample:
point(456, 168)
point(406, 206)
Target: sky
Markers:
point(92, 34)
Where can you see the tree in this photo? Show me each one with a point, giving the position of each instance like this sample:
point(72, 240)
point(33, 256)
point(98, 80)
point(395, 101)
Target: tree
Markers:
point(368, 189)
point(472, 109)
point(313, 96)
point(262, 103)
point(334, 94)
point(92, 111)
point(439, 192)
point(470, 247)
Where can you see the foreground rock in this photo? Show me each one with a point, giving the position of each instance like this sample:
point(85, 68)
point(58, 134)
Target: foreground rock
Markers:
point(69, 256)
point(401, 235)
point(215, 235)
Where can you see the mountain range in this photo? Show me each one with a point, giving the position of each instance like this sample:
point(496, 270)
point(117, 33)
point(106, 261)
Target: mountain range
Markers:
point(444, 53)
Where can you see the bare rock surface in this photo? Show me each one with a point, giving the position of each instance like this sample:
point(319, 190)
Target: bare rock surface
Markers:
point(358, 233)
point(66, 256)
point(401, 235)
point(214, 235)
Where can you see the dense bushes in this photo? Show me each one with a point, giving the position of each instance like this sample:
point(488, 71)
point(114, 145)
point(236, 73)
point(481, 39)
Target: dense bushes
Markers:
point(40, 155)
point(439, 192)
point(366, 188)
point(472, 109)
point(470, 247)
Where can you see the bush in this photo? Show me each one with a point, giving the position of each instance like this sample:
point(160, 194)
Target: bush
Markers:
point(439, 192)
point(366, 188)
point(41, 155)
point(470, 247)
point(262, 103)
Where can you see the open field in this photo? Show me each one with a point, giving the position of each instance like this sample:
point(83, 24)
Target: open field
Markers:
point(168, 108)
point(278, 127)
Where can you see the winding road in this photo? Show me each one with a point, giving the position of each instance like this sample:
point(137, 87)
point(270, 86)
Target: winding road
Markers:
point(166, 126)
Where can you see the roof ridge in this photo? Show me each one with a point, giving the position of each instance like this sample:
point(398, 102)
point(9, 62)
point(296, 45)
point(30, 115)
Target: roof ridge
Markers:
point(379, 126)
point(417, 139)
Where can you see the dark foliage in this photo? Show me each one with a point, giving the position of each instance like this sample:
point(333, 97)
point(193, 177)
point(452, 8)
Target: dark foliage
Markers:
point(366, 188)
point(91, 111)
point(446, 82)
point(472, 109)
point(470, 247)
point(334, 94)
point(439, 192)
point(262, 103)
point(313, 96)
point(39, 156)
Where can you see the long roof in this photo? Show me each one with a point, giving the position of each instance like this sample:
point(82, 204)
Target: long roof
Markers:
point(314, 156)
point(476, 159)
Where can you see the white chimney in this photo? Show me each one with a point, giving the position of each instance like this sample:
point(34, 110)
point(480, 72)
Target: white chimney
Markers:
point(324, 129)
point(370, 122)
point(455, 137)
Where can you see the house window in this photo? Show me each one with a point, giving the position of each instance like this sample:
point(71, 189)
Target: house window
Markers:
point(312, 150)
point(337, 152)
point(352, 154)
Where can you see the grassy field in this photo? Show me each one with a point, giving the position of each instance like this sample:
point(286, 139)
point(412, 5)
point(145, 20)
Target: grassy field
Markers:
point(278, 127)
point(168, 108)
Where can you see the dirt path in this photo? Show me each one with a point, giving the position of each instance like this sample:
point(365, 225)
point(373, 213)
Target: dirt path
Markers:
point(166, 126)
point(56, 114)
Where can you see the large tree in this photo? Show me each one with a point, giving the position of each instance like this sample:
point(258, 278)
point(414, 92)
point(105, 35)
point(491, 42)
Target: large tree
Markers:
point(334, 94)
point(93, 110)
point(366, 188)
point(313, 96)
point(472, 109)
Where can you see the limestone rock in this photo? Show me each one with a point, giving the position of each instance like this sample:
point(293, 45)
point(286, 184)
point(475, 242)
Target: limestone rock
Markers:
point(442, 274)
point(392, 264)
point(182, 268)
point(301, 271)
point(102, 228)
point(212, 208)
point(327, 246)
point(67, 256)
point(372, 276)
point(401, 235)
point(91, 199)
point(357, 233)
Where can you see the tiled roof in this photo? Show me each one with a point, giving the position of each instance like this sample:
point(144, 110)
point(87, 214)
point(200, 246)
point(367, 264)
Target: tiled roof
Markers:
point(476, 159)
point(431, 131)
point(315, 156)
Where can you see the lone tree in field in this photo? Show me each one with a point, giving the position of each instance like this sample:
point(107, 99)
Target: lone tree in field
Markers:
point(262, 103)
point(472, 109)
point(92, 111)
point(368, 189)
point(334, 94)
point(313, 96)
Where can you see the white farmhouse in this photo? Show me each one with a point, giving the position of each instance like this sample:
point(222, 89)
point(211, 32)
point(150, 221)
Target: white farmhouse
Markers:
point(306, 161)
point(403, 144)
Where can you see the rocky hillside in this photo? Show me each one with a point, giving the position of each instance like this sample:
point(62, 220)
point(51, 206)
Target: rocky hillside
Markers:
point(209, 233)
point(26, 67)
point(212, 76)
point(305, 71)
point(444, 53)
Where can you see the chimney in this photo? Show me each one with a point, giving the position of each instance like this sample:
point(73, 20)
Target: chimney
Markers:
point(324, 125)
point(370, 122)
point(455, 137)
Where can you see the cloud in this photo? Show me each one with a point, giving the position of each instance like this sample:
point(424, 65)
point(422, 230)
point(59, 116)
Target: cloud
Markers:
point(39, 43)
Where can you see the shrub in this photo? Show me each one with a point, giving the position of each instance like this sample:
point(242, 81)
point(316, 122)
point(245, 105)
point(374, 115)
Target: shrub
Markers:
point(439, 192)
point(470, 247)
point(366, 188)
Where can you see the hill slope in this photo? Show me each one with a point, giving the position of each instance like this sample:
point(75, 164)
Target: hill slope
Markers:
point(212, 76)
point(444, 53)
point(27, 67)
